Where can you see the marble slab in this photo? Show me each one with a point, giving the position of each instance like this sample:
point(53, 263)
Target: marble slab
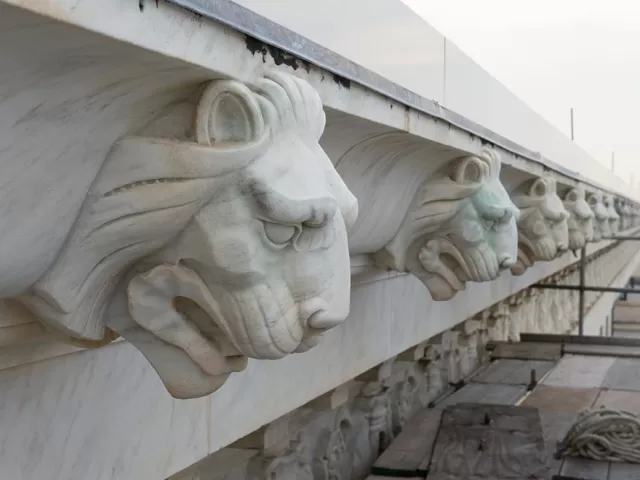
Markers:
point(556, 399)
point(624, 374)
point(101, 414)
point(576, 371)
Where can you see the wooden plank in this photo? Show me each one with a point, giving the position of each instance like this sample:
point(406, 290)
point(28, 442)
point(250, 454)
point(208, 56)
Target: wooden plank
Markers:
point(485, 393)
point(577, 339)
point(489, 442)
point(626, 333)
point(579, 371)
point(604, 350)
point(513, 372)
point(624, 374)
point(564, 477)
point(635, 325)
point(380, 477)
point(542, 338)
point(407, 453)
point(432, 434)
point(528, 351)
point(561, 399)
point(624, 471)
point(554, 427)
point(585, 468)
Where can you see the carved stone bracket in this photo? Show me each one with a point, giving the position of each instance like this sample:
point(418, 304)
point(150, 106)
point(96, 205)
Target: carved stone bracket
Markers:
point(468, 340)
point(205, 250)
point(461, 227)
point(497, 319)
point(543, 232)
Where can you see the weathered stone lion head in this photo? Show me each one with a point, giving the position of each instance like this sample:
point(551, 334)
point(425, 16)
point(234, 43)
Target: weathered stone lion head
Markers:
point(204, 252)
point(634, 215)
point(543, 233)
point(614, 218)
point(622, 209)
point(601, 225)
point(580, 218)
point(461, 227)
point(627, 214)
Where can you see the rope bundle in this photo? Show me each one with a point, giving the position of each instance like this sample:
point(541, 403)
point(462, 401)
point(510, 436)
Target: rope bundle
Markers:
point(603, 434)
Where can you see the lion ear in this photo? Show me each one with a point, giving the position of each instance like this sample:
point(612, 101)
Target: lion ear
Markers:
point(572, 195)
point(539, 188)
point(469, 171)
point(228, 114)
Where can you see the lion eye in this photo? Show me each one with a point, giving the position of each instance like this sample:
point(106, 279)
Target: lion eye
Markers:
point(278, 233)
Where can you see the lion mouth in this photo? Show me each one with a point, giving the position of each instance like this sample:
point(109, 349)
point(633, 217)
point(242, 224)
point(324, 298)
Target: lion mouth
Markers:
point(576, 240)
point(477, 263)
point(234, 359)
point(441, 258)
point(544, 249)
point(266, 322)
point(238, 341)
point(219, 327)
point(580, 232)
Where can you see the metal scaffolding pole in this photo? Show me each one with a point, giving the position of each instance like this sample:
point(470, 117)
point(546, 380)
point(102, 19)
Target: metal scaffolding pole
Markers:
point(583, 256)
point(582, 288)
point(586, 288)
point(622, 237)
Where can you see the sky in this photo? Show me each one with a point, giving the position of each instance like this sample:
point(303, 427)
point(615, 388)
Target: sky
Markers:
point(557, 55)
point(553, 54)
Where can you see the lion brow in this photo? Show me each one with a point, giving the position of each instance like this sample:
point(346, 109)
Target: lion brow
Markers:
point(497, 212)
point(281, 208)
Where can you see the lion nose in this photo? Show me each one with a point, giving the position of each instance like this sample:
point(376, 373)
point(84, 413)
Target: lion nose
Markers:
point(506, 261)
point(322, 320)
point(319, 314)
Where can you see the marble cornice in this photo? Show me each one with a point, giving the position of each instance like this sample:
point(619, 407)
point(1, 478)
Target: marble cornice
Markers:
point(168, 192)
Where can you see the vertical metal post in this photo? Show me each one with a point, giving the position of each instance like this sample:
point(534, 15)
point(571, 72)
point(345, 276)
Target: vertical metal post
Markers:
point(583, 255)
point(613, 161)
point(613, 320)
point(572, 124)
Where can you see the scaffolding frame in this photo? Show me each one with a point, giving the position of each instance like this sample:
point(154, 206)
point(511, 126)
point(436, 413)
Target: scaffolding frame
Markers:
point(582, 288)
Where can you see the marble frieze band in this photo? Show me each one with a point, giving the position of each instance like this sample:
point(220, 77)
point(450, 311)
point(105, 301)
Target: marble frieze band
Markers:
point(223, 229)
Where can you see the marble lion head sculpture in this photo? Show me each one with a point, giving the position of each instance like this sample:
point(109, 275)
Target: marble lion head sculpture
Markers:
point(602, 224)
point(201, 253)
point(461, 227)
point(621, 209)
point(580, 220)
point(614, 218)
point(543, 231)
